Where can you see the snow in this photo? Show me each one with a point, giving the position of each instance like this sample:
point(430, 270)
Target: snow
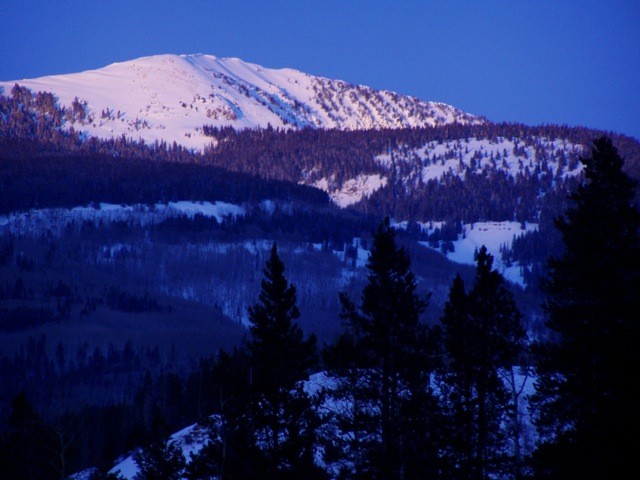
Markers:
point(492, 235)
point(55, 220)
point(219, 210)
point(352, 190)
point(190, 440)
point(321, 384)
point(127, 468)
point(83, 475)
point(193, 438)
point(435, 159)
point(170, 97)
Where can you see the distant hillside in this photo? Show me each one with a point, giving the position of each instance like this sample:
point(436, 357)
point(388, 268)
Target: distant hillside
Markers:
point(438, 181)
point(171, 97)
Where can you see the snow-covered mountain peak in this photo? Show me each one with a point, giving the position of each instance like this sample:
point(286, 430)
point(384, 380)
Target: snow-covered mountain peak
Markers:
point(171, 97)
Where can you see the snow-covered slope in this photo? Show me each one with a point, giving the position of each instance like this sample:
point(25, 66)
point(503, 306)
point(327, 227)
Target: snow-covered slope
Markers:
point(189, 440)
point(353, 190)
point(494, 236)
point(170, 98)
point(525, 157)
point(514, 156)
point(192, 439)
point(54, 221)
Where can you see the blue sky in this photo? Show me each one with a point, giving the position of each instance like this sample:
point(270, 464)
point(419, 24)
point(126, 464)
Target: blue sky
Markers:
point(570, 62)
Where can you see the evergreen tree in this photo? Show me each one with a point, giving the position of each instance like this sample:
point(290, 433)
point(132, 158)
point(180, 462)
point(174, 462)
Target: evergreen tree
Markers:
point(457, 383)
point(205, 464)
point(28, 452)
point(397, 406)
point(586, 412)
point(482, 336)
point(350, 430)
point(231, 452)
point(281, 411)
point(161, 461)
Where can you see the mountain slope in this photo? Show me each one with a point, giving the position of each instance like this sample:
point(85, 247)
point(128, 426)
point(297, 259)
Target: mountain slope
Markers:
point(171, 97)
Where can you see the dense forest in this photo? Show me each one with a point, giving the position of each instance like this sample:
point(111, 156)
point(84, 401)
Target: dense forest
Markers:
point(116, 332)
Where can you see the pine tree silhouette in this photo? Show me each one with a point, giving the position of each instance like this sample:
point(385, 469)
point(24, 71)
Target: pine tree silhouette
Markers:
point(161, 461)
point(281, 411)
point(482, 335)
point(586, 414)
point(397, 407)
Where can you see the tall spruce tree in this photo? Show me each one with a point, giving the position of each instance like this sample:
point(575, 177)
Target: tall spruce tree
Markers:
point(280, 410)
point(393, 387)
point(482, 336)
point(586, 411)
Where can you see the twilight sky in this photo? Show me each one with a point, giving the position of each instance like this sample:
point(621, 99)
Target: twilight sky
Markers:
point(560, 61)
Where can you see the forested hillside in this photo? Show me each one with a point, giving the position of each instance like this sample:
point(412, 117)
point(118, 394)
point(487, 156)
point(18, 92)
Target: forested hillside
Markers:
point(135, 293)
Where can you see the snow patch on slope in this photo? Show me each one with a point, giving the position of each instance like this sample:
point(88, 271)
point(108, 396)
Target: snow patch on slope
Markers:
point(321, 385)
point(219, 210)
point(190, 440)
point(492, 235)
point(353, 190)
point(55, 220)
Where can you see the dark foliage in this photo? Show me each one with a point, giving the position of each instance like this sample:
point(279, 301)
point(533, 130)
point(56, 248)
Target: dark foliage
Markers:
point(386, 378)
point(281, 412)
point(24, 318)
point(118, 299)
point(28, 450)
point(482, 336)
point(161, 461)
point(47, 179)
point(585, 389)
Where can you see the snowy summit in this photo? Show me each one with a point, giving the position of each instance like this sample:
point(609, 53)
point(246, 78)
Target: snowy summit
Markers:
point(171, 97)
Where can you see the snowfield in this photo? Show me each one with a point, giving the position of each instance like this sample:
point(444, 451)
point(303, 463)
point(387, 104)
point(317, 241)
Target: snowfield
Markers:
point(170, 97)
point(493, 235)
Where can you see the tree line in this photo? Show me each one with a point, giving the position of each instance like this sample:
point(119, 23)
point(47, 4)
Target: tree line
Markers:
point(47, 179)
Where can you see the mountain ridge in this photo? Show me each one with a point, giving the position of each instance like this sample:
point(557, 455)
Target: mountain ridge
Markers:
point(171, 98)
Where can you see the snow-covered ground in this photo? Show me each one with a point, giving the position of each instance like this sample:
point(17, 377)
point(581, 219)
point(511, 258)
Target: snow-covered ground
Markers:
point(193, 438)
point(190, 440)
point(353, 190)
point(55, 220)
point(435, 159)
point(492, 235)
point(432, 161)
point(170, 98)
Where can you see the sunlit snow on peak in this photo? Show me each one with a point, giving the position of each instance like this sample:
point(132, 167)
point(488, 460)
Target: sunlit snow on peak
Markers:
point(171, 97)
